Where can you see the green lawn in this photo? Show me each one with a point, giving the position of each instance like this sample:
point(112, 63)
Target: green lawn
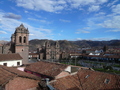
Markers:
point(108, 71)
point(116, 65)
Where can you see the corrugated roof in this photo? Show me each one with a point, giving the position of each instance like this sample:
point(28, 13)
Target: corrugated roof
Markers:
point(46, 68)
point(88, 80)
point(12, 56)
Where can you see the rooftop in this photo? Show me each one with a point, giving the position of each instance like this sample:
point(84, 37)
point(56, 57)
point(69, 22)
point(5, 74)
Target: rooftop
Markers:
point(8, 73)
point(88, 80)
point(46, 68)
point(12, 56)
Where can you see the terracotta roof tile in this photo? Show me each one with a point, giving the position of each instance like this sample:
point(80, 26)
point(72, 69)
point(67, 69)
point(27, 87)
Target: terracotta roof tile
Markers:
point(46, 68)
point(88, 80)
point(7, 73)
point(19, 83)
point(13, 56)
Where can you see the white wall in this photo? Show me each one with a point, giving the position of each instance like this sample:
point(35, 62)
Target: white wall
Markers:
point(68, 69)
point(11, 63)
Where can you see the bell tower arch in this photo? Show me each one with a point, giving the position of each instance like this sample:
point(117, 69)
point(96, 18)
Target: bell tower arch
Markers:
point(47, 50)
point(21, 42)
point(57, 49)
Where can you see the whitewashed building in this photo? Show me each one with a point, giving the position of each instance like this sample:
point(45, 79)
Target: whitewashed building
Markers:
point(10, 60)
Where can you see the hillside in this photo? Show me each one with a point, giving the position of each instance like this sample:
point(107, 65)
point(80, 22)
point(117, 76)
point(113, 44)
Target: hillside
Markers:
point(64, 44)
point(36, 43)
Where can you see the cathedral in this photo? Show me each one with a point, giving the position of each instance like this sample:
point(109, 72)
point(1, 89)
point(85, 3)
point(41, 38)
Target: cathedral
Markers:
point(19, 43)
point(49, 51)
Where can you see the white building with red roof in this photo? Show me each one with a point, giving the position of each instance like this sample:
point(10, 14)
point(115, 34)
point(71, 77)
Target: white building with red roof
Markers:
point(10, 60)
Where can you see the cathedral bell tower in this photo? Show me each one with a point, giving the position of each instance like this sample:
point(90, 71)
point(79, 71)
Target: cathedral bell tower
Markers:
point(57, 48)
point(48, 50)
point(21, 42)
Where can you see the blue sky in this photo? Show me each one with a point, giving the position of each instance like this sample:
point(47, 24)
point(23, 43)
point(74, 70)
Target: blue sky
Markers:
point(61, 19)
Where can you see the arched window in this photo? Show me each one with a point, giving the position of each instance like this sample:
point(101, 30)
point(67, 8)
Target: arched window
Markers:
point(48, 45)
point(24, 39)
point(57, 46)
point(20, 39)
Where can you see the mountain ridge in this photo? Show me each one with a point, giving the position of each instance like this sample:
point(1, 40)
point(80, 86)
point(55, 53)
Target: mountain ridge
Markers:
point(65, 44)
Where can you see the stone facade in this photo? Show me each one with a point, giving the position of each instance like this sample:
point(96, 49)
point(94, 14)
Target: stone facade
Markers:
point(50, 51)
point(19, 43)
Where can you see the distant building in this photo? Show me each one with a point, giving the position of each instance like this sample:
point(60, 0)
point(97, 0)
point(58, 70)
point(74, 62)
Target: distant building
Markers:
point(49, 51)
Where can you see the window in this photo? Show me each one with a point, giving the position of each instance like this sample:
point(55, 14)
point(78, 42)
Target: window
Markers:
point(87, 76)
point(24, 39)
point(5, 64)
point(20, 39)
point(107, 81)
point(57, 46)
point(48, 45)
point(18, 63)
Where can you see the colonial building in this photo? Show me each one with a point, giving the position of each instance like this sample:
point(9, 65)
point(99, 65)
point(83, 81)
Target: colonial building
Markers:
point(49, 51)
point(19, 43)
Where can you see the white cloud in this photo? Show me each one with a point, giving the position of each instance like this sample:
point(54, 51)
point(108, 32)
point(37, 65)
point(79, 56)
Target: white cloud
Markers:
point(102, 1)
point(42, 21)
point(26, 11)
point(58, 5)
point(3, 32)
point(62, 20)
point(112, 3)
point(100, 14)
point(45, 30)
point(95, 39)
point(46, 5)
point(94, 8)
point(33, 19)
point(112, 22)
point(61, 31)
point(78, 39)
point(81, 31)
point(12, 16)
point(102, 39)
point(116, 9)
point(113, 31)
point(9, 25)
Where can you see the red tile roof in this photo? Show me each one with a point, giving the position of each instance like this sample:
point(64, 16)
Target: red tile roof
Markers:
point(46, 68)
point(19, 83)
point(88, 80)
point(8, 73)
point(12, 56)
